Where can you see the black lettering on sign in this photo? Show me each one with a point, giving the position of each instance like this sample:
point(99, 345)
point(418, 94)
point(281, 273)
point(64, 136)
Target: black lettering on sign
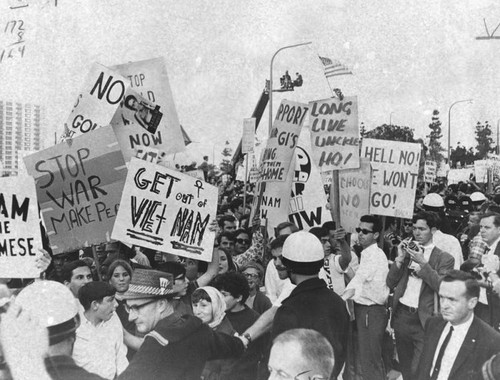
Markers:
point(15, 208)
point(145, 139)
point(111, 97)
point(143, 183)
point(189, 226)
point(17, 247)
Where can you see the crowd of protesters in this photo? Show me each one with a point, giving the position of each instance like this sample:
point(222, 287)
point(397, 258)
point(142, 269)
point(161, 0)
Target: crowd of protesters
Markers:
point(418, 296)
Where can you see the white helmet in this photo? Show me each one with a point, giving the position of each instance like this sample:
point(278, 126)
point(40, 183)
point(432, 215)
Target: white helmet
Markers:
point(53, 305)
point(433, 200)
point(303, 253)
point(477, 197)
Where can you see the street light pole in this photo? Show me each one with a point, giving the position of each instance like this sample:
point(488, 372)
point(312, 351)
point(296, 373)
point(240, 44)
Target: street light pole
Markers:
point(449, 124)
point(271, 82)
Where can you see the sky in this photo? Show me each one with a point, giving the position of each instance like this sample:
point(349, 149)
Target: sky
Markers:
point(407, 58)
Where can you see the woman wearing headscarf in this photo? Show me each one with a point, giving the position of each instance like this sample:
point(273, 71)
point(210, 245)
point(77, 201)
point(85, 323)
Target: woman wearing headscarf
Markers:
point(210, 307)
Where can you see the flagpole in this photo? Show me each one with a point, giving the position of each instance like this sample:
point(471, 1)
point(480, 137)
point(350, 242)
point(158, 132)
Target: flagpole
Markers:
point(331, 89)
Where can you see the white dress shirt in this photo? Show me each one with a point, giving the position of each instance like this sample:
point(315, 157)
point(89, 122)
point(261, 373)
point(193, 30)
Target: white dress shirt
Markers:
point(369, 282)
point(100, 349)
point(274, 285)
point(452, 349)
point(412, 292)
point(491, 251)
point(337, 273)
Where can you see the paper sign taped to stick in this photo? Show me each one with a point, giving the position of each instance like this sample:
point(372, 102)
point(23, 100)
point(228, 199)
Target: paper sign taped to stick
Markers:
point(150, 79)
point(430, 171)
point(308, 199)
point(248, 139)
point(354, 194)
point(79, 187)
point(335, 133)
point(97, 103)
point(481, 171)
point(19, 228)
point(394, 176)
point(460, 175)
point(276, 159)
point(166, 210)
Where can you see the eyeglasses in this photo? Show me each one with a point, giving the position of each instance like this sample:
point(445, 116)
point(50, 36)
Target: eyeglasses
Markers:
point(136, 308)
point(408, 224)
point(364, 231)
point(251, 275)
point(242, 241)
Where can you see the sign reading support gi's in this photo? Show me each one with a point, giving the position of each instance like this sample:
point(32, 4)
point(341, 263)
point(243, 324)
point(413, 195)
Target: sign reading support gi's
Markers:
point(276, 159)
point(19, 228)
point(394, 176)
point(166, 210)
point(335, 133)
point(79, 187)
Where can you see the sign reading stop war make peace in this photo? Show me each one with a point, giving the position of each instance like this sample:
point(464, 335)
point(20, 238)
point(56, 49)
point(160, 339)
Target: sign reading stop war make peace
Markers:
point(79, 186)
point(19, 228)
point(166, 210)
point(394, 176)
point(97, 103)
point(150, 79)
point(276, 158)
point(335, 133)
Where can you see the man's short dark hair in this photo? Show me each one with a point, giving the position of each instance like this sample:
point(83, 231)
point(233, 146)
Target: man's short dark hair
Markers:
point(94, 291)
point(242, 231)
point(227, 234)
point(316, 349)
point(278, 242)
point(319, 232)
point(284, 225)
point(471, 284)
point(375, 221)
point(330, 225)
point(234, 283)
point(226, 218)
point(235, 203)
point(68, 268)
point(431, 218)
point(496, 218)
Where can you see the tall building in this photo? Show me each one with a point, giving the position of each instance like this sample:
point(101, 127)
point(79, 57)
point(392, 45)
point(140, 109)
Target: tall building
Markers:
point(19, 133)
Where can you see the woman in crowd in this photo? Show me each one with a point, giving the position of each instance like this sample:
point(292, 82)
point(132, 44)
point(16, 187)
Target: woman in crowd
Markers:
point(209, 306)
point(226, 263)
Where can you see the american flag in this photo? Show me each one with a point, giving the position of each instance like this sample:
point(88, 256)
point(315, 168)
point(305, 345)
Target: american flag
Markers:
point(334, 68)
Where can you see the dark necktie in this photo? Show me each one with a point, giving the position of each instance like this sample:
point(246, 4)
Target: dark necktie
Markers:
point(437, 366)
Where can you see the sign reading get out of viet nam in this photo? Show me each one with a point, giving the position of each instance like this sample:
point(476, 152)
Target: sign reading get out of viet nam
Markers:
point(79, 187)
point(394, 176)
point(19, 228)
point(166, 210)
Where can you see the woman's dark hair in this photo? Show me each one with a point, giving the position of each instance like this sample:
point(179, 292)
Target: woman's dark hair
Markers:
point(200, 294)
point(231, 267)
point(119, 263)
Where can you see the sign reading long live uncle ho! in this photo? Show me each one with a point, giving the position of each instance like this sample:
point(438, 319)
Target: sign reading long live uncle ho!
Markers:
point(149, 78)
point(394, 176)
point(166, 210)
point(335, 133)
point(277, 156)
point(19, 228)
point(79, 187)
point(98, 101)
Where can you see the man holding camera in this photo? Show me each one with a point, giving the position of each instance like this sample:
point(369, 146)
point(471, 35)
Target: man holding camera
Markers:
point(414, 276)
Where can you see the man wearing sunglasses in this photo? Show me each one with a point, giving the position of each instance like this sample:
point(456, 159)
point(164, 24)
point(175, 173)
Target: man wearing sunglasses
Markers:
point(369, 292)
point(414, 276)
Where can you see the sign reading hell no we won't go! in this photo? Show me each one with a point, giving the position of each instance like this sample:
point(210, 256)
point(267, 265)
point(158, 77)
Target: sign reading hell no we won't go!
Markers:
point(168, 211)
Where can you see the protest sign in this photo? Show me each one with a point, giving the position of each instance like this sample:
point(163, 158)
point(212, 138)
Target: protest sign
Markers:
point(481, 171)
point(430, 171)
point(335, 133)
point(148, 154)
point(19, 228)
point(308, 199)
point(150, 79)
point(97, 103)
point(460, 175)
point(394, 176)
point(354, 188)
point(277, 157)
point(197, 173)
point(248, 139)
point(166, 210)
point(79, 188)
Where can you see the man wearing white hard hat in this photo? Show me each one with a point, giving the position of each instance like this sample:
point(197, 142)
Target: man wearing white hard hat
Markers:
point(311, 304)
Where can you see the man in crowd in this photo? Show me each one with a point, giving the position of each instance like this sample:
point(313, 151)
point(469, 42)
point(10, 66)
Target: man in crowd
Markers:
point(414, 276)
point(301, 352)
point(458, 343)
point(276, 278)
point(76, 274)
point(226, 242)
point(369, 291)
point(227, 223)
point(99, 346)
point(303, 257)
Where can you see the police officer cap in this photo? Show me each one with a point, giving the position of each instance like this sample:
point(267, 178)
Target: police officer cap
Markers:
point(303, 253)
point(451, 201)
point(54, 306)
point(433, 200)
point(465, 203)
point(477, 197)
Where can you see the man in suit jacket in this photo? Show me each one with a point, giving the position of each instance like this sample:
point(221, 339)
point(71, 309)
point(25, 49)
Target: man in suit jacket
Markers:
point(458, 343)
point(414, 276)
